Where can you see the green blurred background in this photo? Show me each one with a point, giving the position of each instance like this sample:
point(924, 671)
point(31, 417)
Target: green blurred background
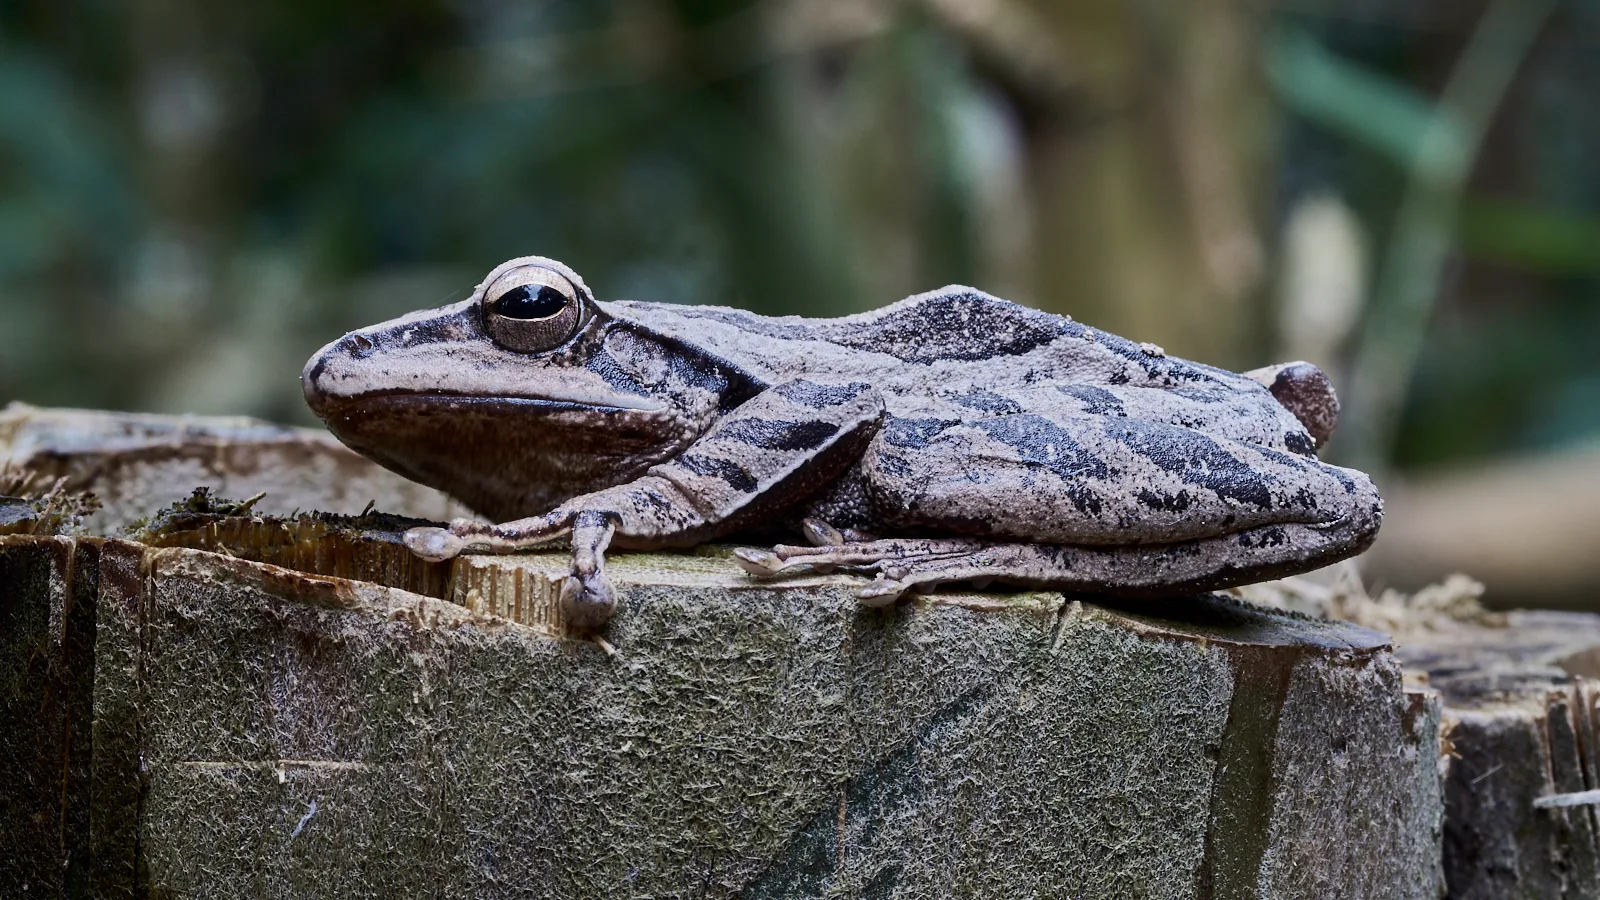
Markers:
point(195, 196)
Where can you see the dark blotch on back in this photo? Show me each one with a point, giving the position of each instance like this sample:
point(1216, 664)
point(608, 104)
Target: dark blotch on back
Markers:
point(1097, 401)
point(987, 401)
point(1165, 502)
point(1042, 442)
point(779, 435)
point(734, 474)
point(1195, 458)
point(1299, 442)
point(913, 434)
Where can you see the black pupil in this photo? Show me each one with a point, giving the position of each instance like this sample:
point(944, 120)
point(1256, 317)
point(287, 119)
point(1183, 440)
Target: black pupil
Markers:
point(530, 302)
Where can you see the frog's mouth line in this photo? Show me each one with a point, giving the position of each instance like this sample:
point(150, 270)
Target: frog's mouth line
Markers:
point(430, 401)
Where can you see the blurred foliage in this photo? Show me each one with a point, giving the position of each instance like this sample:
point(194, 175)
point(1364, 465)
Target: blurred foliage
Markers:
point(194, 197)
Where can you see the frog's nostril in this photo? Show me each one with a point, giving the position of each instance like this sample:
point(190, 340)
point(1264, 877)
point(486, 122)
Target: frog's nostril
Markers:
point(360, 346)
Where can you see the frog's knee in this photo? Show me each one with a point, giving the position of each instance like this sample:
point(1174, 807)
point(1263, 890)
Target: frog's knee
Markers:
point(1305, 391)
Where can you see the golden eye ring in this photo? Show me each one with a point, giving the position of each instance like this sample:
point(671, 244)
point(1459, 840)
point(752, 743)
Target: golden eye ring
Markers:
point(532, 309)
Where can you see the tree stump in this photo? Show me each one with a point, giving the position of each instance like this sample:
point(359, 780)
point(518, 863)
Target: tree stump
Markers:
point(1524, 725)
point(238, 705)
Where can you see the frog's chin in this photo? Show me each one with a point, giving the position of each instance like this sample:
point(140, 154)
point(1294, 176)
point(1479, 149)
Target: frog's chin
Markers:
point(507, 457)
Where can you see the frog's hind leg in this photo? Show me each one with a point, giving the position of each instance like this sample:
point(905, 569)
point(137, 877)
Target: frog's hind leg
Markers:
point(1145, 570)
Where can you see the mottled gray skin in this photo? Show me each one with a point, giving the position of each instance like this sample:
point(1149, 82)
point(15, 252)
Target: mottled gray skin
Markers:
point(989, 440)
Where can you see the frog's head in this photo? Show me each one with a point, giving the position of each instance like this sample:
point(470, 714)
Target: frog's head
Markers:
point(525, 394)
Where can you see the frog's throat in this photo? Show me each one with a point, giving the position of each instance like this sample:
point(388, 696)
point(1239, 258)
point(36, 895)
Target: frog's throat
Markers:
point(507, 457)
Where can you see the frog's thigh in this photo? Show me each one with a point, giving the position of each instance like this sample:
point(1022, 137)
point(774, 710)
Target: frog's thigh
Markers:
point(1098, 481)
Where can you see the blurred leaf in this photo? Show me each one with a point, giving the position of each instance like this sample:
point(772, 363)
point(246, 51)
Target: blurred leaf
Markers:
point(62, 189)
point(1364, 105)
point(1530, 238)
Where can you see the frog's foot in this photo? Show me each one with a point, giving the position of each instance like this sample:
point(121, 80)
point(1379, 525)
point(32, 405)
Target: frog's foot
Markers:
point(587, 599)
point(785, 558)
point(900, 564)
point(896, 577)
point(907, 565)
point(822, 534)
point(434, 544)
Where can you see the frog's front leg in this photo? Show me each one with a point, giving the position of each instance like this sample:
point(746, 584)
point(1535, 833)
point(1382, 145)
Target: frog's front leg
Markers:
point(761, 457)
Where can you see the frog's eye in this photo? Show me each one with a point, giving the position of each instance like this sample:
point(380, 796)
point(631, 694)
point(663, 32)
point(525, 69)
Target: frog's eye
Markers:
point(531, 309)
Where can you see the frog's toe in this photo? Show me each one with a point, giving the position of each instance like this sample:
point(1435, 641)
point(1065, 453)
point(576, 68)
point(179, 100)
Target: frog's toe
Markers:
point(587, 601)
point(821, 534)
point(434, 544)
point(882, 592)
point(758, 562)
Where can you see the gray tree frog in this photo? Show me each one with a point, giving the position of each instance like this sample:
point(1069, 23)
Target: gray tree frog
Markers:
point(951, 436)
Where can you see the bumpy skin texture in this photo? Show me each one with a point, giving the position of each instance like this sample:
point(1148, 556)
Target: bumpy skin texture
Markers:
point(996, 442)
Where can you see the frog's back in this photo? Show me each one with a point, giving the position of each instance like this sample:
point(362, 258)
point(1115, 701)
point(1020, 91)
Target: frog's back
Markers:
point(950, 336)
point(958, 354)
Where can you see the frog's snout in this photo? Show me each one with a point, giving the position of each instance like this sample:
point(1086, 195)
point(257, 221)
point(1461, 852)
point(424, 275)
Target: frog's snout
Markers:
point(310, 378)
point(314, 385)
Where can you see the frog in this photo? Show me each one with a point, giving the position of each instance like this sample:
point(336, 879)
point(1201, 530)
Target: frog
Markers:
point(951, 437)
